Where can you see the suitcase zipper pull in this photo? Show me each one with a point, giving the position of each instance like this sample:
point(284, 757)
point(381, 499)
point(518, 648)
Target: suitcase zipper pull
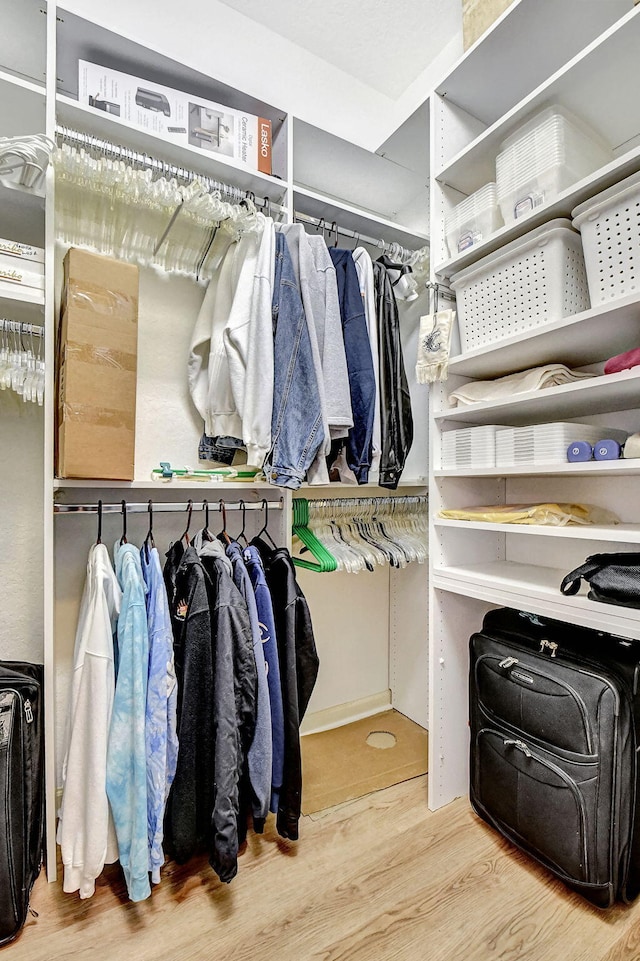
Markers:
point(28, 713)
point(508, 662)
point(520, 745)
point(551, 645)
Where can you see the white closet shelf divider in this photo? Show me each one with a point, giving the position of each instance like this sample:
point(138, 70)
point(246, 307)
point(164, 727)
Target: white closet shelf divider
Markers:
point(536, 589)
point(585, 338)
point(594, 84)
point(617, 468)
point(603, 394)
point(316, 204)
point(73, 114)
point(620, 533)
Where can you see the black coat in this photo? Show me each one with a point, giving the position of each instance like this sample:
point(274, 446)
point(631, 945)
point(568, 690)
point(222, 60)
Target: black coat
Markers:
point(298, 673)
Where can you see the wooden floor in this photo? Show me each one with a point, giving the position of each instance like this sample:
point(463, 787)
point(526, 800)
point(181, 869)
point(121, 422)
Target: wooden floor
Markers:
point(378, 879)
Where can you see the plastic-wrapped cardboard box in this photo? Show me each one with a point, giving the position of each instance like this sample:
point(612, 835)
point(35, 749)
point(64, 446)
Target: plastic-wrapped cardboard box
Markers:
point(477, 17)
point(97, 366)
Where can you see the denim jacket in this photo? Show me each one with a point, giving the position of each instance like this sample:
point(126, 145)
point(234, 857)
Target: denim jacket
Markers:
point(296, 423)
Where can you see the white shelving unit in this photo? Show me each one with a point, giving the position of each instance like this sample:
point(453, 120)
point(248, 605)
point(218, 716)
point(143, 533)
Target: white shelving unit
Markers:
point(587, 63)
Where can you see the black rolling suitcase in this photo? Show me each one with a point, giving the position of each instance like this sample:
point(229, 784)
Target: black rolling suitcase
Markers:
point(21, 791)
point(554, 711)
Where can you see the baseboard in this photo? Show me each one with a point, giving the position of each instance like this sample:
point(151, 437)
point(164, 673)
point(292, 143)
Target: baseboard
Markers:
point(341, 714)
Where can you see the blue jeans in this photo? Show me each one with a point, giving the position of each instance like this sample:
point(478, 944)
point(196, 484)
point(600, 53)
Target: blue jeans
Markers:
point(296, 420)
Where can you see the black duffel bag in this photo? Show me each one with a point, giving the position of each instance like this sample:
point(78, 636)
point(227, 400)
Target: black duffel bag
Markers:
point(612, 578)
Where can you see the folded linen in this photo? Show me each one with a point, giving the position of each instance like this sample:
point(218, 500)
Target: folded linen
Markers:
point(536, 378)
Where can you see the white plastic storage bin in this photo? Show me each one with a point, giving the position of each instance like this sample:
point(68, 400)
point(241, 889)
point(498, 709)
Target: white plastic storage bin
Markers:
point(544, 157)
point(469, 447)
point(538, 278)
point(538, 444)
point(610, 228)
point(473, 220)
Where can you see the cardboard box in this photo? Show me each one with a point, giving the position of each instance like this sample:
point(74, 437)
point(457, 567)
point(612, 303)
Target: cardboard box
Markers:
point(176, 116)
point(477, 17)
point(97, 367)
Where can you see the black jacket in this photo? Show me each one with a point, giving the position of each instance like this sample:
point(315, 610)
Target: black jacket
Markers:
point(395, 401)
point(190, 800)
point(298, 672)
point(235, 698)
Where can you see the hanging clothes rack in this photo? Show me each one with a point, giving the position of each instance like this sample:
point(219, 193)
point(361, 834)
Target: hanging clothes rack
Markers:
point(115, 151)
point(16, 327)
point(440, 291)
point(166, 507)
point(393, 249)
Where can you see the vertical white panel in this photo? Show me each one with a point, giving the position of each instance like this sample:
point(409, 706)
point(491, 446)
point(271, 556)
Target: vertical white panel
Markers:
point(408, 641)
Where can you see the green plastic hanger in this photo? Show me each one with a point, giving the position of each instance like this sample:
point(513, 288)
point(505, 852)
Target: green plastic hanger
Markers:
point(324, 560)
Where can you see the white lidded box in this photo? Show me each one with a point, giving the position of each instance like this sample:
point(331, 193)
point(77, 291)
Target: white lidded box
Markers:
point(537, 444)
point(469, 447)
point(542, 158)
point(610, 228)
point(473, 220)
point(537, 278)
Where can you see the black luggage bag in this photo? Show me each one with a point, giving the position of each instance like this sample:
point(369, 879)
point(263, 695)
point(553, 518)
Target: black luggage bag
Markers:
point(21, 791)
point(554, 715)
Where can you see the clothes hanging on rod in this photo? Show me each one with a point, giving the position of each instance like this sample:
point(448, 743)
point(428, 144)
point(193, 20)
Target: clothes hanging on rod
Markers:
point(22, 366)
point(394, 249)
point(195, 709)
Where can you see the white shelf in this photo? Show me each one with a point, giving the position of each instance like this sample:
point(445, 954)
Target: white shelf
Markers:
point(174, 484)
point(586, 338)
point(623, 166)
point(610, 392)
point(595, 84)
point(555, 31)
point(614, 468)
point(22, 106)
point(537, 590)
point(100, 124)
point(620, 533)
point(315, 204)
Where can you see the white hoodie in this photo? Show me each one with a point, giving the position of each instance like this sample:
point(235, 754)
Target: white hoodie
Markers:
point(230, 370)
point(85, 831)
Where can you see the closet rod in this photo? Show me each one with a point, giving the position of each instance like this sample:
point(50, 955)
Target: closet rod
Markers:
point(126, 154)
point(378, 242)
point(165, 507)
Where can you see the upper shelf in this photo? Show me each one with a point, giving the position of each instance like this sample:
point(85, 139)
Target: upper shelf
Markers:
point(315, 204)
point(499, 69)
point(23, 39)
point(105, 125)
point(594, 468)
point(598, 84)
point(597, 394)
point(616, 533)
point(22, 106)
point(586, 338)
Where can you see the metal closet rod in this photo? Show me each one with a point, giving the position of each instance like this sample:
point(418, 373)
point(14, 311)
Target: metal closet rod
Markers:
point(17, 327)
point(118, 152)
point(378, 242)
point(165, 507)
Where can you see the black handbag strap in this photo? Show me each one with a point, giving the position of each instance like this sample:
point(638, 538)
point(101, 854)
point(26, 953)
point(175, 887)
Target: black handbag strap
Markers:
point(571, 583)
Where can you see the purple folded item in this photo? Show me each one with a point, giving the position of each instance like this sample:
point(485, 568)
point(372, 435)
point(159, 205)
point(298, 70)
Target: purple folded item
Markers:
point(623, 361)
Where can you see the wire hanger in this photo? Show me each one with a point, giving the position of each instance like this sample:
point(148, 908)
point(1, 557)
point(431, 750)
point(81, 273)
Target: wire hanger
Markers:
point(149, 542)
point(123, 539)
point(264, 530)
point(99, 537)
point(185, 536)
point(241, 536)
point(223, 533)
point(206, 533)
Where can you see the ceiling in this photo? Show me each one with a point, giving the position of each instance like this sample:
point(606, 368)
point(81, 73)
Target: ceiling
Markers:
point(386, 44)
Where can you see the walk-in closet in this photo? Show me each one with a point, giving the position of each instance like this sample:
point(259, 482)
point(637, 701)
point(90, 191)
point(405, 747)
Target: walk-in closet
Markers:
point(319, 392)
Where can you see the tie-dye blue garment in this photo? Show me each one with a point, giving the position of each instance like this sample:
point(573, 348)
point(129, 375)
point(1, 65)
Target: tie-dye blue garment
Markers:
point(126, 751)
point(162, 695)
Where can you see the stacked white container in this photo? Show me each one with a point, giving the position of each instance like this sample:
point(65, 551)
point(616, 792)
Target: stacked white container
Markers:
point(473, 220)
point(469, 447)
point(542, 158)
point(538, 444)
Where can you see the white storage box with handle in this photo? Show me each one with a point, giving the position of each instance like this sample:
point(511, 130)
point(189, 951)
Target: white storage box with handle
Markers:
point(549, 153)
point(473, 220)
point(610, 228)
point(538, 278)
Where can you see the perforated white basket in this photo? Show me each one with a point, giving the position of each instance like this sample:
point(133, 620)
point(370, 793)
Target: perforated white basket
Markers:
point(610, 227)
point(538, 278)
